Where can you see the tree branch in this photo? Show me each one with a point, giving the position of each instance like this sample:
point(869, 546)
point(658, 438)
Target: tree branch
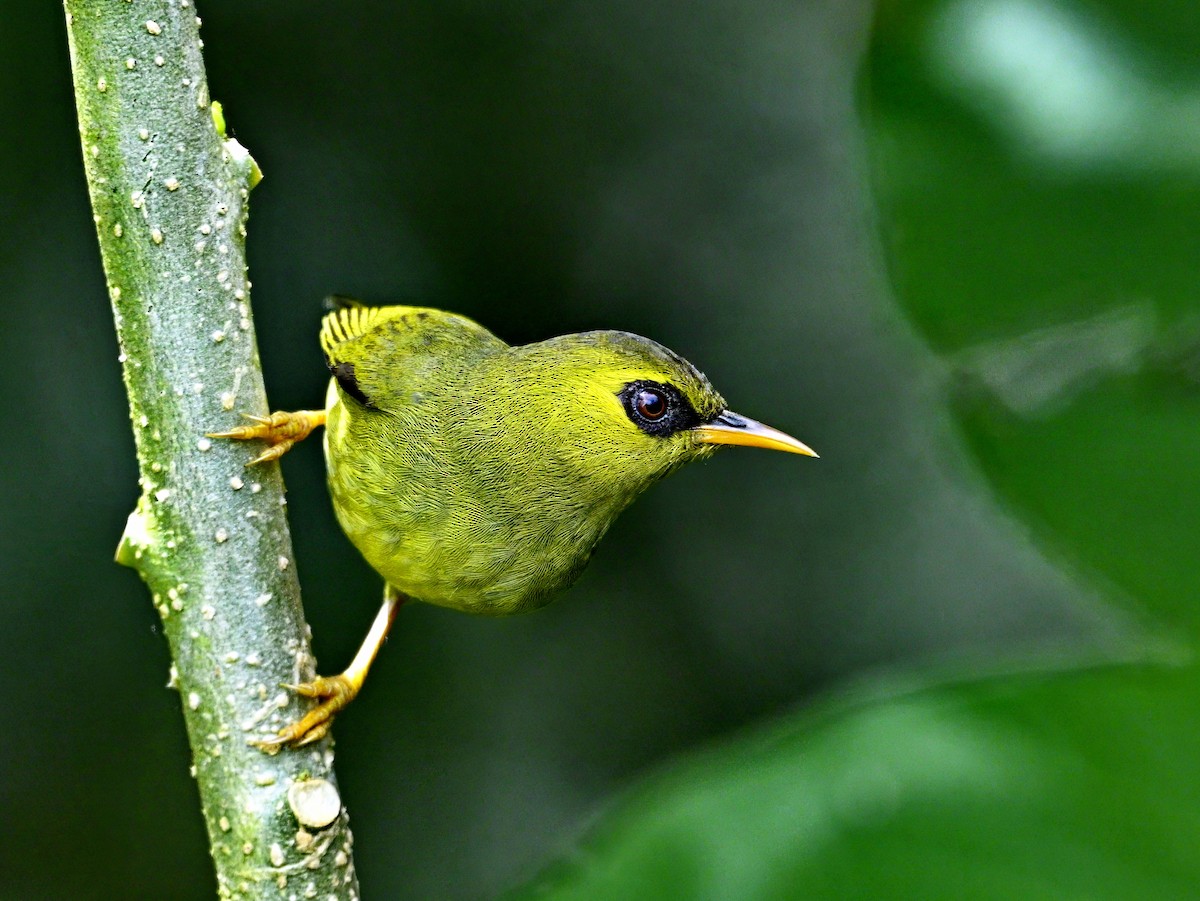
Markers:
point(209, 538)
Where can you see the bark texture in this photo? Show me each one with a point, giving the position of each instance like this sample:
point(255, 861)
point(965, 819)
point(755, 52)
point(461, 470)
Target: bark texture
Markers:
point(208, 536)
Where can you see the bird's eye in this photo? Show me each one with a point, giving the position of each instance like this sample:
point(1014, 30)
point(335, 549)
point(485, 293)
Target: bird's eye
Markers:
point(651, 404)
point(657, 409)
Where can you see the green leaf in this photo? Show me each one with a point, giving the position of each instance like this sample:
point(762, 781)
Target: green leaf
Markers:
point(1038, 175)
point(1056, 786)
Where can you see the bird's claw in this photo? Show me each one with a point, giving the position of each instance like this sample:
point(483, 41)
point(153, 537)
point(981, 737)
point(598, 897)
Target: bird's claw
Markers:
point(337, 692)
point(281, 430)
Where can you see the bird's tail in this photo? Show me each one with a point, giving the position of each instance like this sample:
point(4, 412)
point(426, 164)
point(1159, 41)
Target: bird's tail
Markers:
point(341, 302)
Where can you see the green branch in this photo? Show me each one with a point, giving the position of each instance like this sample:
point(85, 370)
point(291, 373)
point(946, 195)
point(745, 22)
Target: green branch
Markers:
point(209, 538)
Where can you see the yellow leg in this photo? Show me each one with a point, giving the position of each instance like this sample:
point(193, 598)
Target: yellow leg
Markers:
point(337, 691)
point(280, 430)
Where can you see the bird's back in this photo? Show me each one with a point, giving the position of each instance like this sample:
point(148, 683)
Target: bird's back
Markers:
point(385, 357)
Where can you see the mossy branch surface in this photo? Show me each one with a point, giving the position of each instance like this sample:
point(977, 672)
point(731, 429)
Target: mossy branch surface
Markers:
point(209, 537)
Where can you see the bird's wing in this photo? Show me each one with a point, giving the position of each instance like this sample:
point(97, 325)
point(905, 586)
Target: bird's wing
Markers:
point(382, 356)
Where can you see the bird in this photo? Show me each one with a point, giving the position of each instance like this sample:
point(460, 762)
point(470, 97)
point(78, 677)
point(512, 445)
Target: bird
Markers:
point(480, 476)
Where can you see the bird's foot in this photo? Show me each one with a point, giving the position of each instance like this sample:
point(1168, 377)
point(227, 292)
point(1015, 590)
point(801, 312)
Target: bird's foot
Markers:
point(337, 692)
point(280, 430)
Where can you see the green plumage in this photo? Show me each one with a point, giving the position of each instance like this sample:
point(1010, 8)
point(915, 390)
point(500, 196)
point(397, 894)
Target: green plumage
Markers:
point(480, 476)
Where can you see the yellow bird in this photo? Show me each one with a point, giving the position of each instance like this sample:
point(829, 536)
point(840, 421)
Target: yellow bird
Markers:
point(480, 476)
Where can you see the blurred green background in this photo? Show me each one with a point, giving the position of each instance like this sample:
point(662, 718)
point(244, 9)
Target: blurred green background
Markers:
point(952, 245)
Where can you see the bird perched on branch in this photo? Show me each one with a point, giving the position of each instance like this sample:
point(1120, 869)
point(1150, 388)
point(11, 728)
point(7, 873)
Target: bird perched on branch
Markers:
point(479, 476)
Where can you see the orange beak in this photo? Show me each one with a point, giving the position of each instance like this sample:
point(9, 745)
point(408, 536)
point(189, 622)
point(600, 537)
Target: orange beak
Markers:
point(730, 428)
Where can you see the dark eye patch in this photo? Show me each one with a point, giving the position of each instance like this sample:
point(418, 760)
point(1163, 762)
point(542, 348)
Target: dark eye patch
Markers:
point(657, 409)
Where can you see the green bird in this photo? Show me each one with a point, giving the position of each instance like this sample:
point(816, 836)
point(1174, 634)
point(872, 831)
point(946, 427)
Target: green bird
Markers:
point(479, 476)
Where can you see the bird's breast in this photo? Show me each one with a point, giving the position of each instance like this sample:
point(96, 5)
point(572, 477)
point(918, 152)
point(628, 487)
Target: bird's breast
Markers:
point(446, 530)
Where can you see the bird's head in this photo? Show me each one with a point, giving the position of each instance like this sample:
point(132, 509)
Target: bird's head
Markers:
point(626, 411)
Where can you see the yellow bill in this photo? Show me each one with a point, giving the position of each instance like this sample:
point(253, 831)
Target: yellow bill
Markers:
point(730, 428)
